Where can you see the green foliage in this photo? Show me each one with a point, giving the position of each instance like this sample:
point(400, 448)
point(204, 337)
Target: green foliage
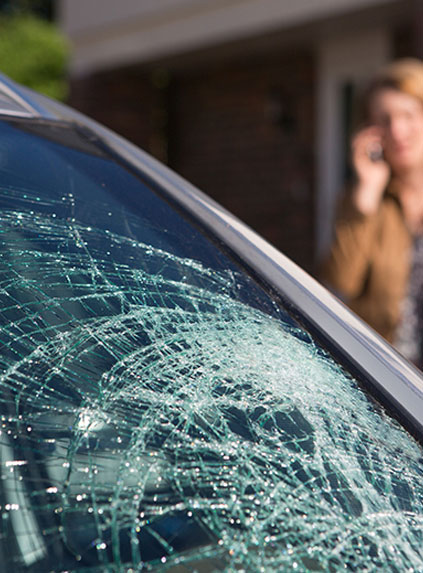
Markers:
point(33, 52)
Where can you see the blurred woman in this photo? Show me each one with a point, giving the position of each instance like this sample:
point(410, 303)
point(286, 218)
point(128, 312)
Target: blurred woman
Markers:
point(376, 260)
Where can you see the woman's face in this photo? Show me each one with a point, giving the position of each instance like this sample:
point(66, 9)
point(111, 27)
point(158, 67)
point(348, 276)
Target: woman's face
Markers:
point(400, 118)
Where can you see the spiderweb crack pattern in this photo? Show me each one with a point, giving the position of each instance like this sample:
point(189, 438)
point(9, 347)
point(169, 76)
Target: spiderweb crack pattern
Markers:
point(162, 423)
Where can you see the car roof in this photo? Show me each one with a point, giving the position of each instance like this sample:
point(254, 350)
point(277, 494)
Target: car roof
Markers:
point(394, 379)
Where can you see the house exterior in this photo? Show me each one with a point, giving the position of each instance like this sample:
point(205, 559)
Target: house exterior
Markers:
point(251, 100)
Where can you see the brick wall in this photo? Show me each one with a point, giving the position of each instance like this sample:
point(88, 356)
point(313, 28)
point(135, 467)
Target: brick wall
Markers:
point(124, 100)
point(244, 134)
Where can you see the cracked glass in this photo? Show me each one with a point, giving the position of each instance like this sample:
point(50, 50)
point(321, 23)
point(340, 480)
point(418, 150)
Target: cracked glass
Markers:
point(159, 409)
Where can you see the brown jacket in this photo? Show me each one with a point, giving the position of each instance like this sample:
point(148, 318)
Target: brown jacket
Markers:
point(369, 262)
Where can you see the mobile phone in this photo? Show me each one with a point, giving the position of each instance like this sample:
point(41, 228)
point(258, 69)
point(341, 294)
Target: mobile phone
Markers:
point(375, 153)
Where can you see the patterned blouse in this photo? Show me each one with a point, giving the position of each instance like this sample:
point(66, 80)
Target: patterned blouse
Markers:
point(409, 334)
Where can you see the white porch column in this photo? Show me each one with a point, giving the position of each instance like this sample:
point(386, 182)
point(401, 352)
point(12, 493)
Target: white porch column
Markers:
point(354, 59)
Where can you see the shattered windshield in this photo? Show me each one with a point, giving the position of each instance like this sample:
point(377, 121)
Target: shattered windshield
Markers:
point(159, 410)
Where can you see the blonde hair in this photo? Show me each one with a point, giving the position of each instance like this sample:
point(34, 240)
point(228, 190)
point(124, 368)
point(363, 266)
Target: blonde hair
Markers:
point(404, 75)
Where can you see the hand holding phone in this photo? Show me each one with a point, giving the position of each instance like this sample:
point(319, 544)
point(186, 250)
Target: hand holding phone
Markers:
point(371, 169)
